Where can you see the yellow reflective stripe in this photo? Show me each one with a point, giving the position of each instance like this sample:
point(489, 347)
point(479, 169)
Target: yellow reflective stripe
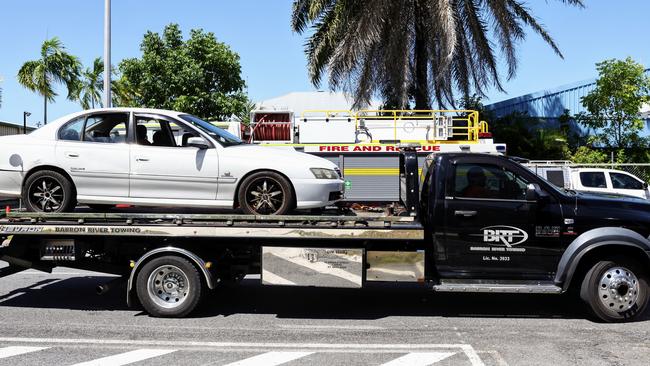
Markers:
point(372, 171)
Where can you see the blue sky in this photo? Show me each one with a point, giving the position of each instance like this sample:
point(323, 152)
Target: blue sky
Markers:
point(272, 57)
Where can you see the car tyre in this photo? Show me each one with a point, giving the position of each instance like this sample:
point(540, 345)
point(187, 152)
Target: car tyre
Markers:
point(49, 191)
point(169, 287)
point(616, 291)
point(266, 193)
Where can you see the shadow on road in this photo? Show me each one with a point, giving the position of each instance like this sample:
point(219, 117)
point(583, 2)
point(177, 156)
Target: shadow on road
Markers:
point(249, 297)
point(77, 293)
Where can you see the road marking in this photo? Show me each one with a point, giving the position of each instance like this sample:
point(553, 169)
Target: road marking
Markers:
point(419, 359)
point(270, 359)
point(321, 327)
point(16, 350)
point(126, 358)
point(467, 349)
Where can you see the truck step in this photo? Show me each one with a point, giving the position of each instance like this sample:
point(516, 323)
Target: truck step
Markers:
point(514, 287)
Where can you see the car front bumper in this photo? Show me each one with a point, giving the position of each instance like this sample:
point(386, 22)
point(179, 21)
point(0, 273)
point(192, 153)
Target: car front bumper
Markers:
point(315, 193)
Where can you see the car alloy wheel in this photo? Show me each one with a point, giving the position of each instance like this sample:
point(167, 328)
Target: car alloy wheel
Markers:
point(46, 194)
point(265, 196)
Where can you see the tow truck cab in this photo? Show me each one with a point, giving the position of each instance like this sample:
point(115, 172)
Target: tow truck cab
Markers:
point(489, 217)
point(492, 222)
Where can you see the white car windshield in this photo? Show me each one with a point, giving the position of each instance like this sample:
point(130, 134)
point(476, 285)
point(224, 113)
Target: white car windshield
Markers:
point(224, 137)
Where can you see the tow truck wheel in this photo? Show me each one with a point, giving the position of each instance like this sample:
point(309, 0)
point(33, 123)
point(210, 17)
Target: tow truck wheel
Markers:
point(48, 191)
point(265, 193)
point(616, 291)
point(169, 286)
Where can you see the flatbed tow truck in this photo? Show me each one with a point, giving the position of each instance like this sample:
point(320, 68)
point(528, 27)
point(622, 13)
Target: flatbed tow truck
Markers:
point(470, 223)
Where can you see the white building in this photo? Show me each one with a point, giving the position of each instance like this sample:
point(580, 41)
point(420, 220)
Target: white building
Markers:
point(298, 102)
point(8, 128)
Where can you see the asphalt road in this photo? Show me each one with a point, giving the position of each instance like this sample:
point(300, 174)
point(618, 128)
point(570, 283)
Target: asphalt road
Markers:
point(57, 319)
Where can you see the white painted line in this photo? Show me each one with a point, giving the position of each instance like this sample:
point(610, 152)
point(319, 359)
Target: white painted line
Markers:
point(419, 359)
point(126, 358)
point(270, 359)
point(16, 350)
point(321, 327)
point(469, 351)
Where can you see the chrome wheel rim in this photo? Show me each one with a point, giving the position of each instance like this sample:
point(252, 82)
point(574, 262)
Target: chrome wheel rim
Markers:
point(265, 196)
point(168, 286)
point(618, 290)
point(46, 194)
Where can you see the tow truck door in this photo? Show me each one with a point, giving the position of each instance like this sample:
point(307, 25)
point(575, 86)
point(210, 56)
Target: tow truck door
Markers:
point(491, 230)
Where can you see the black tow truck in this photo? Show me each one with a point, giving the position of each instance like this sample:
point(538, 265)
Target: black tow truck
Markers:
point(470, 223)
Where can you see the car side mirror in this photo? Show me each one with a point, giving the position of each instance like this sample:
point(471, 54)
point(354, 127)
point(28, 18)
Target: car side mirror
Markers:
point(532, 192)
point(198, 142)
point(645, 185)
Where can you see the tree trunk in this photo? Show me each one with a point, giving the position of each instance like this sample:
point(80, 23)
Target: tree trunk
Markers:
point(44, 111)
point(421, 93)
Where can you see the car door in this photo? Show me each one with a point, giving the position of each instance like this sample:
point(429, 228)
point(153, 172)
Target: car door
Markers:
point(93, 149)
point(627, 184)
point(491, 229)
point(164, 167)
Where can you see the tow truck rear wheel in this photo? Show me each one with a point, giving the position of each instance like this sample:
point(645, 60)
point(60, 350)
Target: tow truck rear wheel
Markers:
point(616, 291)
point(169, 286)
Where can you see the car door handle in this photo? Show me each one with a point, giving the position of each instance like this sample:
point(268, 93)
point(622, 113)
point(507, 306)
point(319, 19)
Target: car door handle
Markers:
point(141, 159)
point(72, 155)
point(465, 213)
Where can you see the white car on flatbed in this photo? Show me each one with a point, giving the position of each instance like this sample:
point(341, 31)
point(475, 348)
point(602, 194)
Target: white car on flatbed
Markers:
point(150, 157)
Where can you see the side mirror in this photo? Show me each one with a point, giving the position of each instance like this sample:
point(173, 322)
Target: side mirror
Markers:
point(531, 192)
point(645, 185)
point(198, 142)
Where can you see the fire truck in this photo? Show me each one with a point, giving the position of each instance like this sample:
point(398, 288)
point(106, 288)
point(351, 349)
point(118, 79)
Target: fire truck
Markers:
point(363, 143)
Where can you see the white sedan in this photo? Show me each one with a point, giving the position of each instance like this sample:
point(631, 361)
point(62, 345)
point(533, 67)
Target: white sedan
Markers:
point(149, 157)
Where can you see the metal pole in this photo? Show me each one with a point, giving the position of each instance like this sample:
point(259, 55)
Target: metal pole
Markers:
point(107, 53)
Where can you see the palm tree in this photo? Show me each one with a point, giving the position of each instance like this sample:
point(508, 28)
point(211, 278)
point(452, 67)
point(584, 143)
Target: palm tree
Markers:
point(413, 50)
point(54, 66)
point(91, 85)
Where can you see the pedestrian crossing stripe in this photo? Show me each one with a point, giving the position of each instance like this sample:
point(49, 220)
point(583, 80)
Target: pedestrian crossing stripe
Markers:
point(16, 350)
point(273, 358)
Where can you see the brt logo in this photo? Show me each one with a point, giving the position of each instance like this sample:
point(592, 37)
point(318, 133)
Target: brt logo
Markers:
point(506, 235)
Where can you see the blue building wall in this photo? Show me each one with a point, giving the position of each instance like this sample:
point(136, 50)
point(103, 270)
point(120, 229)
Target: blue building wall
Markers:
point(547, 104)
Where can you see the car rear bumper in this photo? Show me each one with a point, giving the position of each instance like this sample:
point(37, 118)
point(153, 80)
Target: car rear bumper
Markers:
point(315, 193)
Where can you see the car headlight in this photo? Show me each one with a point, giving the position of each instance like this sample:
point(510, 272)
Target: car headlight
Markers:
point(322, 173)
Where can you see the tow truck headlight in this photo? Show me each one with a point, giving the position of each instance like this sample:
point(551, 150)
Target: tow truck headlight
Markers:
point(322, 173)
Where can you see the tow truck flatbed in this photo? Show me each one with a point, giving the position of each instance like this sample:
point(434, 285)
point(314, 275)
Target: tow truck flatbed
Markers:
point(211, 225)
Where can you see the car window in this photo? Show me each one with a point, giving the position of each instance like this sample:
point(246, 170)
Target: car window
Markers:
point(106, 128)
point(624, 181)
point(556, 177)
point(71, 131)
point(153, 131)
point(225, 138)
point(488, 181)
point(593, 179)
